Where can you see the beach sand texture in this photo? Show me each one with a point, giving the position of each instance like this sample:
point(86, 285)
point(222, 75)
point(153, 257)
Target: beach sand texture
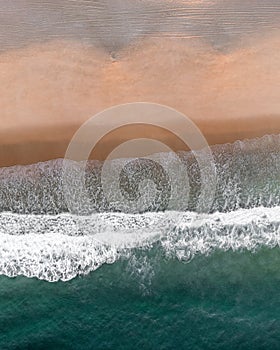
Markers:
point(61, 63)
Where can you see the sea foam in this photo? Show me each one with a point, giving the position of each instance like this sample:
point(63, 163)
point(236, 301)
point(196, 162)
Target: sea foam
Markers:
point(41, 238)
point(61, 247)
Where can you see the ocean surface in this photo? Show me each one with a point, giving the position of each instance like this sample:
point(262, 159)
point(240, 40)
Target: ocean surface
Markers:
point(163, 278)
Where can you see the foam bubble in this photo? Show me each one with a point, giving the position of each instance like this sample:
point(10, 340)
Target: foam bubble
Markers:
point(56, 248)
point(248, 175)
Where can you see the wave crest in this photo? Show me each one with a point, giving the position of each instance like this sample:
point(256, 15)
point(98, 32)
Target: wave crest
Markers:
point(59, 248)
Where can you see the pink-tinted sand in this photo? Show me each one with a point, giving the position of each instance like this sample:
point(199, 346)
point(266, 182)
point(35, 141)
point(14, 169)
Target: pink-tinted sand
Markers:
point(47, 91)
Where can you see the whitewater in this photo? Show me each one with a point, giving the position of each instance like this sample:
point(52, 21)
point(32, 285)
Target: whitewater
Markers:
point(41, 238)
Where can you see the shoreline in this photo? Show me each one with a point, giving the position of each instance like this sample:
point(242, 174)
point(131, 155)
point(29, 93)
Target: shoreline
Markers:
point(39, 145)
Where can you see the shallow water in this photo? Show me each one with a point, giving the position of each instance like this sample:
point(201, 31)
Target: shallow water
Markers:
point(155, 279)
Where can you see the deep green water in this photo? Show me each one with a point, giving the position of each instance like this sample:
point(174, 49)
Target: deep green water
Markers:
point(228, 300)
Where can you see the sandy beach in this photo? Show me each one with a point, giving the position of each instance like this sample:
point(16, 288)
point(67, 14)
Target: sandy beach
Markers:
point(48, 90)
point(215, 61)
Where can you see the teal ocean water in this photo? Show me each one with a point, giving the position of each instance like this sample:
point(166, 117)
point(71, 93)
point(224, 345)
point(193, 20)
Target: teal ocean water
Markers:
point(154, 280)
point(229, 300)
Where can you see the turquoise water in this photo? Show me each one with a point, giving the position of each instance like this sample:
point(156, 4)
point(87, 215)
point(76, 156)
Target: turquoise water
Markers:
point(154, 280)
point(225, 301)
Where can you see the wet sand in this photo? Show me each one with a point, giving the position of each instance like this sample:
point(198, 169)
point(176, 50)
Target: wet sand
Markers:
point(48, 90)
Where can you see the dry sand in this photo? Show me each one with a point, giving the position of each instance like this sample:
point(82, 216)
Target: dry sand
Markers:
point(48, 90)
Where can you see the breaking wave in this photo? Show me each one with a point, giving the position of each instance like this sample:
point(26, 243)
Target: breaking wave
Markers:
point(39, 238)
point(57, 248)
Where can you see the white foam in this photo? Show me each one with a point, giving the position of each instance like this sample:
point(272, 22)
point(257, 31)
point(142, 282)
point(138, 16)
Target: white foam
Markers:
point(248, 175)
point(63, 246)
